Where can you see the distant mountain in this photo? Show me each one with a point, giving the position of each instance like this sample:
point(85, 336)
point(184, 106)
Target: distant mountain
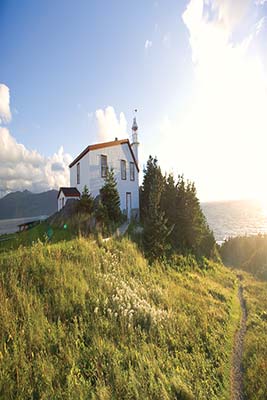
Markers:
point(28, 204)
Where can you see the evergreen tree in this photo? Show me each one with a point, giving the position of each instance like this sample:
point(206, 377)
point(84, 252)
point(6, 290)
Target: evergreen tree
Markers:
point(168, 202)
point(152, 173)
point(101, 214)
point(156, 231)
point(191, 232)
point(172, 216)
point(110, 197)
point(86, 203)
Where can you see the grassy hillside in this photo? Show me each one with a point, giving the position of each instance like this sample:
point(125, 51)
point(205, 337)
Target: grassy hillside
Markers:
point(255, 351)
point(43, 232)
point(88, 320)
point(248, 253)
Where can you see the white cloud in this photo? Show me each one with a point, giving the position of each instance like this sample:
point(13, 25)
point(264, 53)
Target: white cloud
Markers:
point(109, 126)
point(5, 114)
point(260, 25)
point(230, 13)
point(148, 44)
point(21, 168)
point(221, 136)
point(167, 40)
point(260, 2)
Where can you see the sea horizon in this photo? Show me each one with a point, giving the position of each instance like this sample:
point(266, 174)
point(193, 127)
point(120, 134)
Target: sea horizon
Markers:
point(226, 218)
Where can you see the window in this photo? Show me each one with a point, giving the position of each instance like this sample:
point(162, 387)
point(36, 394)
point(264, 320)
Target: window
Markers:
point(123, 170)
point(132, 177)
point(104, 166)
point(78, 173)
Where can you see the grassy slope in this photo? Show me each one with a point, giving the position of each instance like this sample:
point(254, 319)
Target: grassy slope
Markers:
point(255, 347)
point(38, 233)
point(85, 320)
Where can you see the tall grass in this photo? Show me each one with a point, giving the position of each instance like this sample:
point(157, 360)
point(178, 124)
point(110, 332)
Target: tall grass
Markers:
point(255, 354)
point(90, 320)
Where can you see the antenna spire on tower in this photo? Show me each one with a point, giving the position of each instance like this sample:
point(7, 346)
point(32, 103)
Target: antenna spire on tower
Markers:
point(135, 126)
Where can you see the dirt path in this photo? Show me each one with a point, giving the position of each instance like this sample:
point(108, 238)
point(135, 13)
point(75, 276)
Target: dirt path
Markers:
point(237, 390)
point(121, 230)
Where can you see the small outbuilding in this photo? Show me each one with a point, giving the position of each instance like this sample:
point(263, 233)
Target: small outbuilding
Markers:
point(65, 194)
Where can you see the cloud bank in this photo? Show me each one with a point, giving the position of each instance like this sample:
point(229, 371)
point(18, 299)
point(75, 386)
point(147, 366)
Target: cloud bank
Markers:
point(5, 114)
point(148, 44)
point(109, 125)
point(21, 168)
point(221, 137)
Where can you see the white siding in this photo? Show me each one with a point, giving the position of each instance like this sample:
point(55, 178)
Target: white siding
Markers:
point(84, 174)
point(62, 196)
point(59, 201)
point(90, 173)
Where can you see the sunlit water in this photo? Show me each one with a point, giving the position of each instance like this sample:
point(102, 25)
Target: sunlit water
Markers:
point(234, 218)
point(231, 218)
point(11, 225)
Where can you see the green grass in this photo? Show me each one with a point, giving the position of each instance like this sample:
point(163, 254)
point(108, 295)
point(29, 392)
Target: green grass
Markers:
point(43, 232)
point(83, 319)
point(255, 348)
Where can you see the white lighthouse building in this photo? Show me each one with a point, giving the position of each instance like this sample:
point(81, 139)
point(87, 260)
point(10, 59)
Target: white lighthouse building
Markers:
point(90, 168)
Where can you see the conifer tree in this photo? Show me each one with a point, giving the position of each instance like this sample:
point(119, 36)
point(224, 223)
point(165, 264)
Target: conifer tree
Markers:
point(110, 197)
point(156, 231)
point(86, 202)
point(152, 174)
point(191, 232)
point(168, 202)
point(172, 215)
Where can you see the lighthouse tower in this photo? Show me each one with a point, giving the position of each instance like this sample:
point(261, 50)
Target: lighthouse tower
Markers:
point(135, 142)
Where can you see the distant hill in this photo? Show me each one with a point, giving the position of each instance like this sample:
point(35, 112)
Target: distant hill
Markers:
point(28, 204)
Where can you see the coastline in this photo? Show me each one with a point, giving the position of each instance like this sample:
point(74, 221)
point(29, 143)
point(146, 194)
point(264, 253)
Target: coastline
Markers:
point(8, 226)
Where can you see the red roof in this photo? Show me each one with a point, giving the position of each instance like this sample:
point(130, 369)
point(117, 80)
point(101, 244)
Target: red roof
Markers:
point(103, 145)
point(69, 192)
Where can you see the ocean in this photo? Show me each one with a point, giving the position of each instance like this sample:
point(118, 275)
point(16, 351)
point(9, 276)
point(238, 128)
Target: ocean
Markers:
point(235, 218)
point(228, 218)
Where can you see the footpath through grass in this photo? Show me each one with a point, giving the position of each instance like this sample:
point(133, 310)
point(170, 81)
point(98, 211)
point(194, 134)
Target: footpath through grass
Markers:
point(255, 346)
point(88, 320)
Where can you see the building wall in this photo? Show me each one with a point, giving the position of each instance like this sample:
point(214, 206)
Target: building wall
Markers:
point(59, 201)
point(62, 196)
point(84, 174)
point(90, 167)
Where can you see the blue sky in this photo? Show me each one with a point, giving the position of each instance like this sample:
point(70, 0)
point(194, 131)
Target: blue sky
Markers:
point(64, 60)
